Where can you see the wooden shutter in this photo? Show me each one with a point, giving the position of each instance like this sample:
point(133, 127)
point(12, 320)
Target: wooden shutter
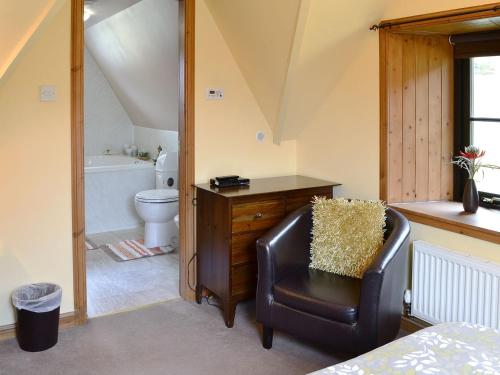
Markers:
point(416, 117)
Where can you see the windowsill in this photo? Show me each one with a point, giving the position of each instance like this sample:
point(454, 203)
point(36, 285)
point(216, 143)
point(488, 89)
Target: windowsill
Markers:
point(484, 224)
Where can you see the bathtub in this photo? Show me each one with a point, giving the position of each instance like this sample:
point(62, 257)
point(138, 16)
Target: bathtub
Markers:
point(111, 182)
point(107, 163)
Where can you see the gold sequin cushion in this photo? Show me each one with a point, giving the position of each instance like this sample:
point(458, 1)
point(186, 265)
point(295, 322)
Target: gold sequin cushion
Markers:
point(346, 235)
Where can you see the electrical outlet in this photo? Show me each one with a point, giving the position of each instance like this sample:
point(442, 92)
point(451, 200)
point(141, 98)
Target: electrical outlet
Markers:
point(215, 94)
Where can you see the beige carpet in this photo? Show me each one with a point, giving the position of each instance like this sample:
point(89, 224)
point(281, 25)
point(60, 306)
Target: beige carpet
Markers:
point(174, 337)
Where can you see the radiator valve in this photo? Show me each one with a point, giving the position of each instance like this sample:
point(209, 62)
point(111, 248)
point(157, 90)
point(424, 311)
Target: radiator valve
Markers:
point(407, 302)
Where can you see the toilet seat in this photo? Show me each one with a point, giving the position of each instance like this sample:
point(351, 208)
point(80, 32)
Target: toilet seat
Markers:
point(158, 196)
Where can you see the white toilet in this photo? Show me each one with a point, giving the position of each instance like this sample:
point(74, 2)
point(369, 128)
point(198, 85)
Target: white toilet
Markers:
point(159, 207)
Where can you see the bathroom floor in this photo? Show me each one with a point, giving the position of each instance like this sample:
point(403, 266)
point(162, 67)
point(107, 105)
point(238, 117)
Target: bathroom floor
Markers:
point(117, 286)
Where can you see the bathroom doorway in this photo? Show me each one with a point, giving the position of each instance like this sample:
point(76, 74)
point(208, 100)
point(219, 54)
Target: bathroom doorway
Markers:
point(131, 137)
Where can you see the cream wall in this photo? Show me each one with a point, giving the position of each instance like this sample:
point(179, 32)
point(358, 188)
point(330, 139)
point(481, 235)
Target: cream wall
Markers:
point(35, 188)
point(339, 116)
point(261, 50)
point(226, 130)
point(19, 23)
point(336, 103)
point(338, 110)
point(35, 225)
point(457, 242)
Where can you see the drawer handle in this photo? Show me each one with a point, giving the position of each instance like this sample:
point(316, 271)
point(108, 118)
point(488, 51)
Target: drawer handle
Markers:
point(258, 215)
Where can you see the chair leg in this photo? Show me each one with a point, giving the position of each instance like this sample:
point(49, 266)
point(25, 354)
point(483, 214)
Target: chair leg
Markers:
point(267, 337)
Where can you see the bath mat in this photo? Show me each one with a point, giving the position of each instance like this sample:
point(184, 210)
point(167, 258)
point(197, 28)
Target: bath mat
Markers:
point(132, 249)
point(90, 245)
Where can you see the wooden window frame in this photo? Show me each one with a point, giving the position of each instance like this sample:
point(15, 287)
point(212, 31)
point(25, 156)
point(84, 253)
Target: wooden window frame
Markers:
point(186, 155)
point(456, 21)
point(463, 121)
point(462, 128)
point(446, 215)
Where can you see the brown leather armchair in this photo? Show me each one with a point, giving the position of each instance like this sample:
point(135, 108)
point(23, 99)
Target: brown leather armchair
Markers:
point(342, 313)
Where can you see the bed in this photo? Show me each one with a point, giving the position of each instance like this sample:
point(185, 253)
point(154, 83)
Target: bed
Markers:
point(449, 348)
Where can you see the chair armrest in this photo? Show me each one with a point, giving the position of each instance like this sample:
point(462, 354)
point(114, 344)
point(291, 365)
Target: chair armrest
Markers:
point(284, 249)
point(399, 229)
point(385, 280)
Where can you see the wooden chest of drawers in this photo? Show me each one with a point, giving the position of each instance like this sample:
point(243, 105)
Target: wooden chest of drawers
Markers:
point(229, 222)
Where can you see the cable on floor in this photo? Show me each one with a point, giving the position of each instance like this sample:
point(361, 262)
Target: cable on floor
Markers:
point(188, 275)
point(208, 299)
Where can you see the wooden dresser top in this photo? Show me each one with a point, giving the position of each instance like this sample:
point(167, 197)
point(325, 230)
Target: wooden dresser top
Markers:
point(269, 185)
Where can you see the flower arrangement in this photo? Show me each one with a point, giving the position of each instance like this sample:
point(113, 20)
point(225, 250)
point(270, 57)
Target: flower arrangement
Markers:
point(470, 160)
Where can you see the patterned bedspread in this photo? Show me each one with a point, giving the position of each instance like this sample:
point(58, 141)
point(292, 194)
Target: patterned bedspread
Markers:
point(450, 348)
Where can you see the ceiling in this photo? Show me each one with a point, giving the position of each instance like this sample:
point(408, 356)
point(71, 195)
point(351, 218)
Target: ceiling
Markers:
point(103, 9)
point(19, 22)
point(137, 49)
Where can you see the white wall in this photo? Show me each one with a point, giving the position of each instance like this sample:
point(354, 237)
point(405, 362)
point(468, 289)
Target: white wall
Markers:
point(148, 139)
point(107, 125)
point(104, 9)
point(138, 51)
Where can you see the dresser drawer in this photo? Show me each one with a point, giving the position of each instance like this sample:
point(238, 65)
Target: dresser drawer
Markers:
point(257, 216)
point(243, 249)
point(294, 202)
point(243, 279)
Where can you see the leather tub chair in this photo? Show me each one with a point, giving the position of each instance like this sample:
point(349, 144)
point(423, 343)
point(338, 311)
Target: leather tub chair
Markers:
point(338, 312)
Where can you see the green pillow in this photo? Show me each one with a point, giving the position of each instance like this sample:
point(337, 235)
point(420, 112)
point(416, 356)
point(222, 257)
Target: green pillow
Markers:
point(346, 235)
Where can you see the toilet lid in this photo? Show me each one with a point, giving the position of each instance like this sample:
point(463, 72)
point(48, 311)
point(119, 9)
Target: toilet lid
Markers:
point(158, 196)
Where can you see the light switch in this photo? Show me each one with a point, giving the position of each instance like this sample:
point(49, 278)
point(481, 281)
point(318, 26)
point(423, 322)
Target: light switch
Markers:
point(215, 94)
point(48, 93)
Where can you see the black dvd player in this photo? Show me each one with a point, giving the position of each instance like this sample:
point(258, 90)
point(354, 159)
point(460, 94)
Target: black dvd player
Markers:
point(229, 181)
point(227, 178)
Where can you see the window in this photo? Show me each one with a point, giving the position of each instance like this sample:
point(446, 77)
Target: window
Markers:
point(485, 117)
point(478, 91)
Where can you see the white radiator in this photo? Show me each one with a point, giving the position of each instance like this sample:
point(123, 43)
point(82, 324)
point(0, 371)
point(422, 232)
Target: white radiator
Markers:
point(450, 287)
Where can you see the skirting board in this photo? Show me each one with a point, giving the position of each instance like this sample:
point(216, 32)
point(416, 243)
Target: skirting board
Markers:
point(66, 320)
point(408, 324)
point(411, 324)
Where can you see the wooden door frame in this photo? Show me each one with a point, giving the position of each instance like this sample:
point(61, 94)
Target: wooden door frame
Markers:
point(186, 155)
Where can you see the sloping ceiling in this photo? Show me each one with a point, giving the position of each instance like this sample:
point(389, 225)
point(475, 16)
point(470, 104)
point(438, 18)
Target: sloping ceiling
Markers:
point(102, 9)
point(137, 50)
point(19, 23)
point(293, 53)
point(263, 51)
point(333, 31)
